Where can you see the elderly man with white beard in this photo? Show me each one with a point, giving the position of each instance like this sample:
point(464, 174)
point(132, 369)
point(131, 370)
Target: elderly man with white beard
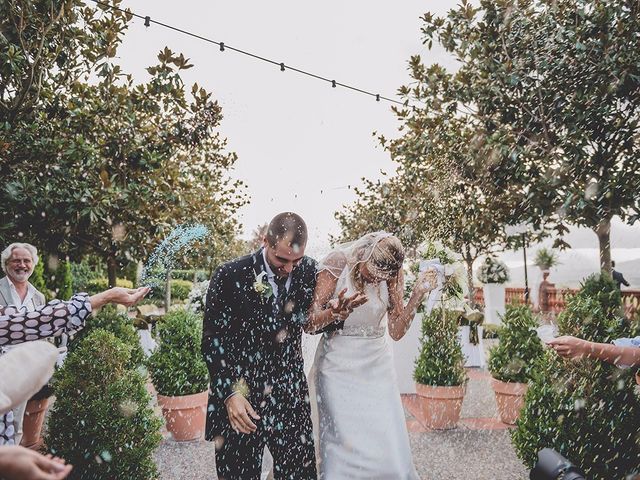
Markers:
point(18, 261)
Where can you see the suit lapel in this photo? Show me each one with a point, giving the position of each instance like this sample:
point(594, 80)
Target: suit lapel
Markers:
point(4, 291)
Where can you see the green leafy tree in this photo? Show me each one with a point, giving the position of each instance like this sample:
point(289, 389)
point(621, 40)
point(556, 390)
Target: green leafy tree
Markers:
point(555, 87)
point(108, 167)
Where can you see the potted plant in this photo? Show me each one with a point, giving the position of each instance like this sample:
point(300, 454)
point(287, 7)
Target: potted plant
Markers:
point(493, 274)
point(511, 362)
point(34, 415)
point(439, 372)
point(180, 375)
point(101, 421)
point(545, 259)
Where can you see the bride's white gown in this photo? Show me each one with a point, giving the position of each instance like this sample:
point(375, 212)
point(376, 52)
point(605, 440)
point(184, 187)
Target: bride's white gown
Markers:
point(359, 421)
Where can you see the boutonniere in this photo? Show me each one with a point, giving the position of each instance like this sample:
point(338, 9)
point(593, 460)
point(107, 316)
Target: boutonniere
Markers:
point(262, 288)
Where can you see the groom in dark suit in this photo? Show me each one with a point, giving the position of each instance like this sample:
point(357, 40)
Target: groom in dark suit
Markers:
point(252, 343)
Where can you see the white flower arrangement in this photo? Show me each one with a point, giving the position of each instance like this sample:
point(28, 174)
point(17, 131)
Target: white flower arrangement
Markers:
point(493, 270)
point(197, 298)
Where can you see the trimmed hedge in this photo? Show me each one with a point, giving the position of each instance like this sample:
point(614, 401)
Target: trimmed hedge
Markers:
point(98, 285)
point(512, 360)
point(585, 409)
point(101, 421)
point(440, 362)
point(120, 325)
point(176, 366)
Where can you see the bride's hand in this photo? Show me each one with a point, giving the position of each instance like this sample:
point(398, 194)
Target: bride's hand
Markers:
point(427, 281)
point(342, 306)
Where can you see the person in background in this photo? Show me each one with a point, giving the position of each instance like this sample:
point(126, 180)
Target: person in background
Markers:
point(18, 261)
point(618, 277)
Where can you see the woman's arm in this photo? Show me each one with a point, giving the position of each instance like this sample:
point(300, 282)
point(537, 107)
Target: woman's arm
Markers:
point(325, 309)
point(401, 315)
point(572, 347)
point(18, 326)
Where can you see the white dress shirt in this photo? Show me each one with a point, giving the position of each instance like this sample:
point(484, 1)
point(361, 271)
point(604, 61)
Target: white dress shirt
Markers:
point(28, 302)
point(271, 276)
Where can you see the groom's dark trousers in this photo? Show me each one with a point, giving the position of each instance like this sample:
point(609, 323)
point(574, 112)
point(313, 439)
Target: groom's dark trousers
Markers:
point(253, 346)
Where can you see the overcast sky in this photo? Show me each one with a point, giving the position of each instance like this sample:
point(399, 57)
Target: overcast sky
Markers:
point(300, 143)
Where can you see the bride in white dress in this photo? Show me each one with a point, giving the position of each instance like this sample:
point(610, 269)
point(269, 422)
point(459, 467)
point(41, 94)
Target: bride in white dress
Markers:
point(359, 421)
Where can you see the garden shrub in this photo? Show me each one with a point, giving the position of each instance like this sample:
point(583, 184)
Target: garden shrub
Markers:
point(101, 421)
point(100, 284)
point(585, 409)
point(64, 281)
point(176, 366)
point(440, 361)
point(512, 360)
point(120, 325)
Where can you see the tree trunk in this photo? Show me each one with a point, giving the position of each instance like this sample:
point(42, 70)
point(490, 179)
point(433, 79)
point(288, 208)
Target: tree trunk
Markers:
point(471, 292)
point(167, 292)
point(603, 230)
point(112, 270)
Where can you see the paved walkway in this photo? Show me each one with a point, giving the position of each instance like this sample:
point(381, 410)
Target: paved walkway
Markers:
point(479, 448)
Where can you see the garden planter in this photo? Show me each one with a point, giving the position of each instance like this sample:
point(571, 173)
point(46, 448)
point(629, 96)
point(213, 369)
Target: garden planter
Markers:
point(33, 420)
point(185, 415)
point(494, 302)
point(510, 399)
point(439, 408)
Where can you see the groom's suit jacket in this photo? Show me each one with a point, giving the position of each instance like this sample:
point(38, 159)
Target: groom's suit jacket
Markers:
point(247, 344)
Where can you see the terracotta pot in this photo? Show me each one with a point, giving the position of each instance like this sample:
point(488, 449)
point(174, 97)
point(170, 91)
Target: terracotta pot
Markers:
point(185, 415)
point(33, 420)
point(510, 399)
point(439, 407)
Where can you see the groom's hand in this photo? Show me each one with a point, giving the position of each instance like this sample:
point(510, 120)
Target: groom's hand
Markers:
point(240, 413)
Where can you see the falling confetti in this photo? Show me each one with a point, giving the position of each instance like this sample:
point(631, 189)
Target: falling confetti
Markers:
point(163, 257)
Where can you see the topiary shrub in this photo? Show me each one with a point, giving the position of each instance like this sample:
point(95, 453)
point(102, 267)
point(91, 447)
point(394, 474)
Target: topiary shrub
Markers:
point(120, 325)
point(512, 360)
point(98, 285)
point(64, 281)
point(101, 421)
point(587, 410)
point(176, 366)
point(440, 362)
point(37, 279)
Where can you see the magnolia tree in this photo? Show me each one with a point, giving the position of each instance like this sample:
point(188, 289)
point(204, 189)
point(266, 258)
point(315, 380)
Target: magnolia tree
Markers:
point(442, 190)
point(555, 87)
point(97, 163)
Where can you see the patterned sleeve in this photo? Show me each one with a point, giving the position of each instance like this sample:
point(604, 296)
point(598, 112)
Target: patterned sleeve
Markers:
point(50, 320)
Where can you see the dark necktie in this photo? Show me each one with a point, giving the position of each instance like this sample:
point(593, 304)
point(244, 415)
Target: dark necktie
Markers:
point(282, 293)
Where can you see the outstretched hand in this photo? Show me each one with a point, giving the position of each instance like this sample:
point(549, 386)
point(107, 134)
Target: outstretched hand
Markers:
point(570, 347)
point(19, 463)
point(342, 306)
point(124, 296)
